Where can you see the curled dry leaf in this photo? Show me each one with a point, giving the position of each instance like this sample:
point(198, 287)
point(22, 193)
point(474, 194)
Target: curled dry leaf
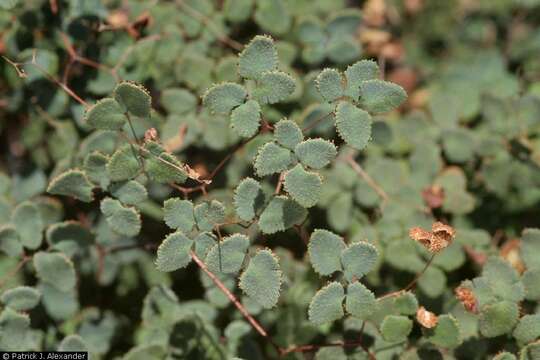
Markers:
point(437, 239)
point(467, 298)
point(510, 251)
point(426, 318)
point(151, 135)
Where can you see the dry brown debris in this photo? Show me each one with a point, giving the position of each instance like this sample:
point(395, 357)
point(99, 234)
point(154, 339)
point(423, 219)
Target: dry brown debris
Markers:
point(426, 318)
point(440, 236)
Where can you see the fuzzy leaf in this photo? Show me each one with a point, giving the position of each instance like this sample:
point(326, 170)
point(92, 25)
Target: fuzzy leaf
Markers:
point(353, 125)
point(130, 193)
point(246, 118)
point(134, 98)
point(9, 241)
point(123, 165)
point(358, 72)
point(498, 319)
point(227, 257)
point(165, 168)
point(379, 96)
point(248, 199)
point(95, 168)
point(396, 328)
point(272, 159)
point(178, 101)
point(21, 298)
point(287, 133)
point(530, 281)
point(55, 269)
point(528, 329)
point(446, 334)
point(360, 302)
point(258, 56)
point(359, 259)
point(29, 224)
point(208, 214)
point(123, 220)
point(69, 237)
point(315, 153)
point(324, 251)
point(530, 248)
point(178, 214)
point(224, 97)
point(303, 186)
point(327, 304)
point(281, 214)
point(261, 280)
point(72, 183)
point(174, 252)
point(274, 87)
point(14, 332)
point(73, 343)
point(203, 243)
point(406, 303)
point(106, 114)
point(330, 85)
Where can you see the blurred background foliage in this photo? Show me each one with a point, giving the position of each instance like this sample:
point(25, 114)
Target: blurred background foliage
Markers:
point(464, 149)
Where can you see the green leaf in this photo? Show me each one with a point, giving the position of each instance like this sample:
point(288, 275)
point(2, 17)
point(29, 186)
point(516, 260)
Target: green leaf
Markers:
point(287, 133)
point(29, 224)
point(9, 241)
point(208, 214)
point(281, 214)
point(178, 214)
point(324, 251)
point(261, 280)
point(406, 303)
point(504, 356)
point(123, 164)
point(379, 96)
point(353, 125)
point(359, 259)
point(246, 118)
point(14, 332)
point(272, 159)
point(528, 329)
point(174, 252)
point(227, 257)
point(530, 248)
point(258, 56)
point(178, 101)
point(55, 269)
point(106, 114)
point(330, 84)
point(203, 243)
point(130, 193)
point(123, 220)
point(358, 72)
point(134, 98)
point(360, 302)
point(530, 280)
point(303, 186)
point(21, 298)
point(73, 343)
point(446, 334)
point(248, 199)
point(273, 87)
point(69, 237)
point(315, 153)
point(95, 168)
point(166, 168)
point(327, 304)
point(396, 328)
point(498, 319)
point(503, 279)
point(237, 10)
point(72, 183)
point(224, 97)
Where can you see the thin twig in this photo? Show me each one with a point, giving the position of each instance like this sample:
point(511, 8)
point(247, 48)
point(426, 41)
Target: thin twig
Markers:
point(211, 26)
point(368, 179)
point(315, 347)
point(256, 325)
